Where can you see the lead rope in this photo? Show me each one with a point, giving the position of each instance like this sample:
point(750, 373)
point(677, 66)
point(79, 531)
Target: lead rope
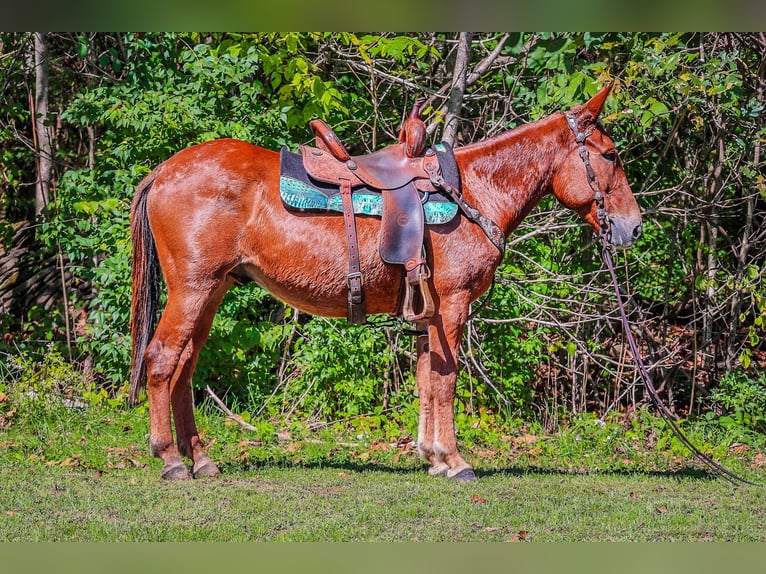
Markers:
point(667, 416)
point(605, 235)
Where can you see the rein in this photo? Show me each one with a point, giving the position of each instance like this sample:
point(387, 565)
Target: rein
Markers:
point(605, 236)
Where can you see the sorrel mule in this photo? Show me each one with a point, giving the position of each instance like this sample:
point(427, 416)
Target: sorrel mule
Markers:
point(211, 216)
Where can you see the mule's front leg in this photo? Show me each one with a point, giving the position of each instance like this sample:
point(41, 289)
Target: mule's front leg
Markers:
point(437, 378)
point(426, 421)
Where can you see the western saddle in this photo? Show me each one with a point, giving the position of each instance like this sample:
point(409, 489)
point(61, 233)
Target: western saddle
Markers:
point(400, 171)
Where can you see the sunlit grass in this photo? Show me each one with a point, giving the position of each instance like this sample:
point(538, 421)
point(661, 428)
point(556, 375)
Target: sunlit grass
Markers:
point(84, 474)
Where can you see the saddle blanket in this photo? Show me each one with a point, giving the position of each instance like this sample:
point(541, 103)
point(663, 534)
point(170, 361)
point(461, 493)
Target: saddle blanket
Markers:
point(302, 193)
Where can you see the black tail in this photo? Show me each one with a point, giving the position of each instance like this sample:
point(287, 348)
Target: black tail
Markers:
point(145, 277)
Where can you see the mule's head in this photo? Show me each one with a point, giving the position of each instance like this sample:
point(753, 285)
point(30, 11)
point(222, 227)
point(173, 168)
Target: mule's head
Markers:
point(592, 165)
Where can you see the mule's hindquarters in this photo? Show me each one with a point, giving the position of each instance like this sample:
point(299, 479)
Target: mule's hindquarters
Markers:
point(181, 225)
point(165, 357)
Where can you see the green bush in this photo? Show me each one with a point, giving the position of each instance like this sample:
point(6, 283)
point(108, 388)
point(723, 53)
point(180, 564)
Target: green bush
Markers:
point(742, 398)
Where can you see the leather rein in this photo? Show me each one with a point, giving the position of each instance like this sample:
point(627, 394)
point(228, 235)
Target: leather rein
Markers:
point(605, 236)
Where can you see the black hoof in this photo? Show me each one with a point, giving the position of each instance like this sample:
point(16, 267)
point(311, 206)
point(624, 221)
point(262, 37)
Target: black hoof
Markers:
point(176, 472)
point(465, 475)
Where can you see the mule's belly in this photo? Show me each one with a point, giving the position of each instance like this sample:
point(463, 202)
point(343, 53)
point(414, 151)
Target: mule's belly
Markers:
point(303, 260)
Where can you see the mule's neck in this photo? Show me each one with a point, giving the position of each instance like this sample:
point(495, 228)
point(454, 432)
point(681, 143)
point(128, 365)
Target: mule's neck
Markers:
point(506, 176)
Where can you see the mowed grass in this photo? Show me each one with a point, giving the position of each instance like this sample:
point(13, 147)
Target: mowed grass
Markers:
point(337, 504)
point(87, 476)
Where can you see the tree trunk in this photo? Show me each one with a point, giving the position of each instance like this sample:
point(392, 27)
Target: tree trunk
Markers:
point(459, 75)
point(41, 126)
point(711, 226)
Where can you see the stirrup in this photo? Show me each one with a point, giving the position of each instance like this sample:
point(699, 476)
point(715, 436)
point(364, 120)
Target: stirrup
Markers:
point(418, 275)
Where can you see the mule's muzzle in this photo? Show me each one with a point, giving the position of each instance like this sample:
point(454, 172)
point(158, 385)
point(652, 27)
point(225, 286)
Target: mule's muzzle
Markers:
point(624, 231)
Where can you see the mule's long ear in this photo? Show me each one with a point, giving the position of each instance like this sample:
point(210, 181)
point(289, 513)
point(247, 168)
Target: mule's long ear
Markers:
point(588, 113)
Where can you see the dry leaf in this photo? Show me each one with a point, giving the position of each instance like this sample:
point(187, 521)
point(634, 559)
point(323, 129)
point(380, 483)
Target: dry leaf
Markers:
point(478, 500)
point(633, 495)
point(662, 509)
point(3, 397)
point(525, 439)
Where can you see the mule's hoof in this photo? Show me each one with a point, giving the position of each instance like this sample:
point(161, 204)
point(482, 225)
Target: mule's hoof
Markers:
point(465, 475)
point(206, 469)
point(176, 472)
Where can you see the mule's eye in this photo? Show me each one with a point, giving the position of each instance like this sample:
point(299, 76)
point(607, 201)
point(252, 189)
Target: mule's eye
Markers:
point(610, 155)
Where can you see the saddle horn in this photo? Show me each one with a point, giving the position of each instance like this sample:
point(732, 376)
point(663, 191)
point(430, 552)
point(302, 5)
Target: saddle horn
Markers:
point(413, 132)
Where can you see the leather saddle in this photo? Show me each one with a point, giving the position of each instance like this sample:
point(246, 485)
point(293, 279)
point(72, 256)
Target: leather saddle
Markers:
point(400, 171)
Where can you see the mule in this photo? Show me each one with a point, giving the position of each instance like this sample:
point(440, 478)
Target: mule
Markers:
point(211, 217)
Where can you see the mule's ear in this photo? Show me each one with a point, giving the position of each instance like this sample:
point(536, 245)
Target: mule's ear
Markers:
point(588, 113)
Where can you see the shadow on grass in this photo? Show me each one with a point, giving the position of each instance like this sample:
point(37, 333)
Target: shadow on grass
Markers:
point(510, 471)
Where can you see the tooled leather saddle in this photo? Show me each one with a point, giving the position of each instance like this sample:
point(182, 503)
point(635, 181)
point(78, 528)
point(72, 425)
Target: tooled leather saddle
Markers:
point(403, 174)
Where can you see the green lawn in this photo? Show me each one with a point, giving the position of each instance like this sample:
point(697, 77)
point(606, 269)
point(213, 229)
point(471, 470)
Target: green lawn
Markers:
point(77, 476)
point(341, 504)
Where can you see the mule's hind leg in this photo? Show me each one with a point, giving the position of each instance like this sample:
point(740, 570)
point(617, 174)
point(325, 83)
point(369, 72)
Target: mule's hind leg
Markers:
point(169, 362)
point(187, 436)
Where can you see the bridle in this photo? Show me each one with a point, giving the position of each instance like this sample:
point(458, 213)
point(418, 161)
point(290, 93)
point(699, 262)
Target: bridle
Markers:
point(580, 137)
point(605, 235)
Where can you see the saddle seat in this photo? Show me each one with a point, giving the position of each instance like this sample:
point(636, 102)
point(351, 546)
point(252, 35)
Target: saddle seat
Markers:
point(400, 171)
point(388, 168)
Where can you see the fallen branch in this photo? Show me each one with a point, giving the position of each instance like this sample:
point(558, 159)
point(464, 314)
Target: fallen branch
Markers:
point(227, 411)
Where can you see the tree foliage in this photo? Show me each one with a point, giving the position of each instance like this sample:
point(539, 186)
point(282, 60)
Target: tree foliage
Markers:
point(686, 113)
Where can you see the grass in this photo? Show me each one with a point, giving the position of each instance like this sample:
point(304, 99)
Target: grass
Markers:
point(84, 474)
point(336, 504)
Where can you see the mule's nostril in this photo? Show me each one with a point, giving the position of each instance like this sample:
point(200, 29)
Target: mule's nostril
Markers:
point(637, 231)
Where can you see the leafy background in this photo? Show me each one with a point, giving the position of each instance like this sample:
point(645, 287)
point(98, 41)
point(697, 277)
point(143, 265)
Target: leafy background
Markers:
point(686, 114)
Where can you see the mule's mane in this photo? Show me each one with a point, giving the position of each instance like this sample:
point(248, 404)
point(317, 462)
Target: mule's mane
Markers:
point(507, 175)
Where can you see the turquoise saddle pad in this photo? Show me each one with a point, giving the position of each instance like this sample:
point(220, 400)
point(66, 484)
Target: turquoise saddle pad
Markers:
point(301, 193)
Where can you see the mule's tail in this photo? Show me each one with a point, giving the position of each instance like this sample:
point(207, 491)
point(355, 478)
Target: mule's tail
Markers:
point(145, 275)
